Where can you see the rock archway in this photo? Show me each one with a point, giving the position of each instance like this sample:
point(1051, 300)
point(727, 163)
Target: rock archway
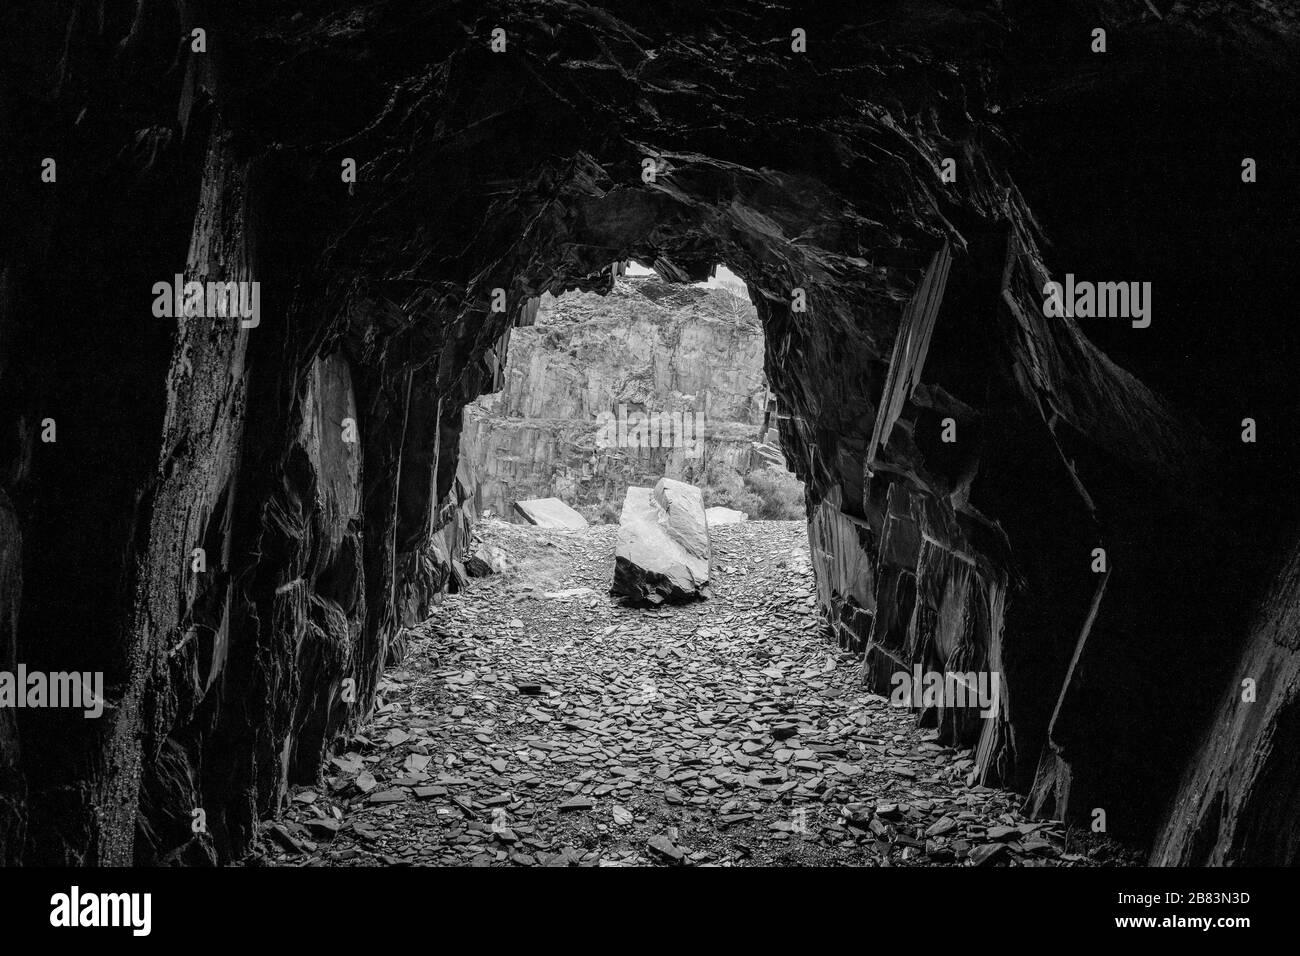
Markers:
point(896, 299)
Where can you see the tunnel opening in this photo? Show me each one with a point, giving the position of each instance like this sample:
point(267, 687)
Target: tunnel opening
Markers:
point(985, 491)
point(877, 691)
point(650, 379)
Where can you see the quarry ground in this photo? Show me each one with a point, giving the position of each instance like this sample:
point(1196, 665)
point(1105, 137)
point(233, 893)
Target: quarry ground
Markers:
point(535, 721)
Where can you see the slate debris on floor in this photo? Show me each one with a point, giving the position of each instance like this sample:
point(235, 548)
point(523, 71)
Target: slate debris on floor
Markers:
point(536, 722)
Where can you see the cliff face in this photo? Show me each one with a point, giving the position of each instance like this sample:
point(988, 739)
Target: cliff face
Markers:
point(646, 344)
point(591, 368)
point(516, 459)
point(897, 302)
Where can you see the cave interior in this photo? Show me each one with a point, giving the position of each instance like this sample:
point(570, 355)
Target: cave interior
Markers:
point(894, 298)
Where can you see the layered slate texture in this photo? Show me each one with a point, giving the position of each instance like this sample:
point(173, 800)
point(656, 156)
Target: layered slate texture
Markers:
point(818, 177)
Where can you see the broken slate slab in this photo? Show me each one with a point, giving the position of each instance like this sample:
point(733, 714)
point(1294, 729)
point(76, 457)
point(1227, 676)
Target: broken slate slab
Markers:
point(325, 826)
point(551, 513)
point(987, 853)
point(663, 551)
point(664, 847)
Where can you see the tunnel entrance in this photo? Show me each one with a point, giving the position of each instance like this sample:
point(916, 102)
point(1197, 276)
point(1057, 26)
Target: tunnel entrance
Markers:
point(652, 379)
point(537, 718)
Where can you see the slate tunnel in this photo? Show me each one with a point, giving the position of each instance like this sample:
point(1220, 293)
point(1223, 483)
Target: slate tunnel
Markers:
point(819, 171)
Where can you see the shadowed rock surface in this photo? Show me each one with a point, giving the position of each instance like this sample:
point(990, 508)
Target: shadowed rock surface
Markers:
point(522, 171)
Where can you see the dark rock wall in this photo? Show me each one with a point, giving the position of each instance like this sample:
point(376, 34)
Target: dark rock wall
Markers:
point(522, 171)
point(12, 785)
point(1236, 800)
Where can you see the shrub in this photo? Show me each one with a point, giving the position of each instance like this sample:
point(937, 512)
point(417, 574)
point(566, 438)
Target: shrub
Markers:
point(770, 493)
point(724, 488)
point(779, 494)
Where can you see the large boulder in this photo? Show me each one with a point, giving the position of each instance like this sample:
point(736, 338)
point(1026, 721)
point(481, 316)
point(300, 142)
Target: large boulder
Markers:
point(663, 549)
point(551, 513)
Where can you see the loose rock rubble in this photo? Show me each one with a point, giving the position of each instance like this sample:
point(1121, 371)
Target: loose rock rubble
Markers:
point(536, 722)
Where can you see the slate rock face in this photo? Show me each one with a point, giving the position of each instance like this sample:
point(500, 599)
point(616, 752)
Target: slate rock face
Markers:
point(551, 513)
point(663, 549)
point(11, 781)
point(570, 421)
point(522, 172)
